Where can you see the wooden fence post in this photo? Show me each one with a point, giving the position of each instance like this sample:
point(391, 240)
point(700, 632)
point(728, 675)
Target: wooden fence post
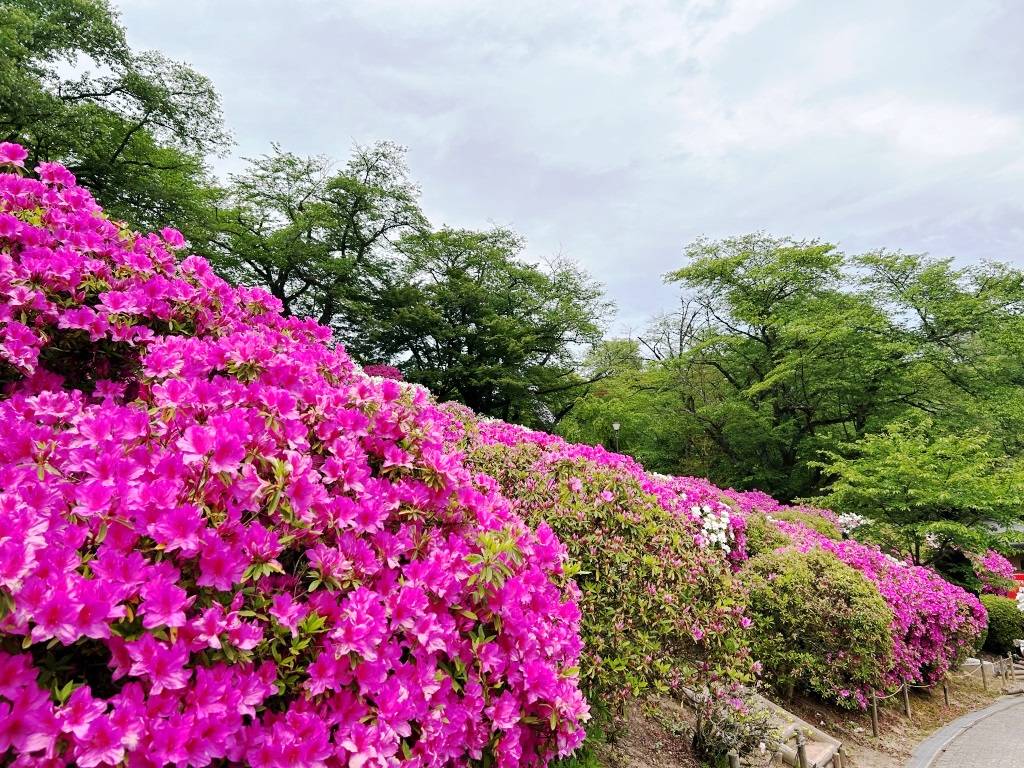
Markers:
point(945, 692)
point(801, 750)
point(984, 676)
point(906, 701)
point(874, 714)
point(734, 759)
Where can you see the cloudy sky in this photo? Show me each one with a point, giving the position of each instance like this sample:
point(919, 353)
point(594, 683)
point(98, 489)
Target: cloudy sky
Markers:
point(614, 132)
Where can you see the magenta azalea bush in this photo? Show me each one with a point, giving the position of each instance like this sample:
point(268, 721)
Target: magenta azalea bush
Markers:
point(994, 572)
point(222, 543)
point(935, 624)
point(383, 372)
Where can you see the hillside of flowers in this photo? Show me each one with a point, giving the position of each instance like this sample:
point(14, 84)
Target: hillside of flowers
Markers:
point(221, 541)
point(934, 624)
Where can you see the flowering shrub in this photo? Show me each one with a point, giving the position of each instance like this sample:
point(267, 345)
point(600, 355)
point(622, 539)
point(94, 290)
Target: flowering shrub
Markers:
point(848, 522)
point(220, 542)
point(763, 535)
point(819, 624)
point(935, 623)
point(661, 608)
point(994, 572)
point(816, 522)
point(383, 372)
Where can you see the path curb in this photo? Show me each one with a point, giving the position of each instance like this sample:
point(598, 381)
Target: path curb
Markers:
point(929, 749)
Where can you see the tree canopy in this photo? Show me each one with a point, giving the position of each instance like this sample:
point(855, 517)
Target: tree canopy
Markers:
point(321, 238)
point(785, 352)
point(135, 127)
point(476, 322)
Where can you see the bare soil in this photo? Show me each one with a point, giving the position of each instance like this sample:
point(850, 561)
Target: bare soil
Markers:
point(653, 734)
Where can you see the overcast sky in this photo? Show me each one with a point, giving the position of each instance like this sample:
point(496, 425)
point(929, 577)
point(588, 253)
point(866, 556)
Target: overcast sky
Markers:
point(616, 132)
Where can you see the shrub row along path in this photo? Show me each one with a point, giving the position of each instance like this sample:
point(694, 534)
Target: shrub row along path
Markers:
point(990, 738)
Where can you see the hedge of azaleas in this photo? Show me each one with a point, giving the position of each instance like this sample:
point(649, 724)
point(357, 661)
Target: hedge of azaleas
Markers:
point(221, 542)
point(995, 572)
point(935, 623)
point(654, 560)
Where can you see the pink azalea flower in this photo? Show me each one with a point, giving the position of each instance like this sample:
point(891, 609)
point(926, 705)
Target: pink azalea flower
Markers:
point(210, 626)
point(287, 612)
point(95, 612)
point(504, 712)
point(196, 444)
point(163, 604)
point(228, 454)
point(79, 712)
point(28, 723)
point(221, 565)
point(56, 617)
point(55, 173)
point(172, 237)
point(162, 665)
point(12, 154)
point(359, 748)
point(180, 528)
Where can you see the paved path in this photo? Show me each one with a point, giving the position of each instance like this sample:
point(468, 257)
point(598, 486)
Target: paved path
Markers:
point(990, 738)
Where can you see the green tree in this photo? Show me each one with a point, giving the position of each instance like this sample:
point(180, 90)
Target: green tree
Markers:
point(320, 238)
point(133, 127)
point(943, 480)
point(938, 495)
point(639, 396)
point(782, 350)
point(779, 361)
point(966, 326)
point(473, 321)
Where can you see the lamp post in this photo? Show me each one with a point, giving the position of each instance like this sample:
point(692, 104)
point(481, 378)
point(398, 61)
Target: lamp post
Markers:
point(615, 429)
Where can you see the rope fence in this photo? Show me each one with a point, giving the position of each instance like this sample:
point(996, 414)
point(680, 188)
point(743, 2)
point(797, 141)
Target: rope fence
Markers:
point(1004, 670)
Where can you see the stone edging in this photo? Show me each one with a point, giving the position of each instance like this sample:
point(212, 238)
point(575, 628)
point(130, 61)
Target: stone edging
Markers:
point(929, 749)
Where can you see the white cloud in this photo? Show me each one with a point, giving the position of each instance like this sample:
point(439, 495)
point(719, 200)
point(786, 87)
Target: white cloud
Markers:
point(945, 130)
point(779, 117)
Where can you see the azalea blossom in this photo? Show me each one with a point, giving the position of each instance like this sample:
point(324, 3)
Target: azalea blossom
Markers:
point(12, 154)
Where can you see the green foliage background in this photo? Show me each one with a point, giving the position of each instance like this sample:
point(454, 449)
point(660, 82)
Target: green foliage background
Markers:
point(1005, 624)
